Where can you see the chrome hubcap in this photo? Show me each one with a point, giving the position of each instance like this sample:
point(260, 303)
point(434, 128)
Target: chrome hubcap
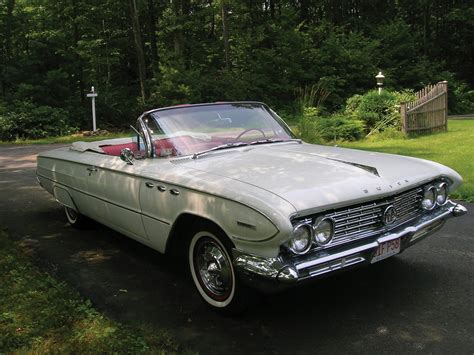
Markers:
point(213, 267)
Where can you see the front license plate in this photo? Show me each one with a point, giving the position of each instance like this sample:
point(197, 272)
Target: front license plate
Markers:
point(386, 250)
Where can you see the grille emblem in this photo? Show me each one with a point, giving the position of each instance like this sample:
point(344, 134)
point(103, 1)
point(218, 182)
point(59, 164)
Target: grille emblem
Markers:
point(389, 215)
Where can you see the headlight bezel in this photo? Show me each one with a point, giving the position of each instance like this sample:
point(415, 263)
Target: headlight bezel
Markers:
point(303, 224)
point(442, 185)
point(425, 190)
point(319, 221)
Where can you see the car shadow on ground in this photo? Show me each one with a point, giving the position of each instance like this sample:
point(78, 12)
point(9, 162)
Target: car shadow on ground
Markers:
point(133, 283)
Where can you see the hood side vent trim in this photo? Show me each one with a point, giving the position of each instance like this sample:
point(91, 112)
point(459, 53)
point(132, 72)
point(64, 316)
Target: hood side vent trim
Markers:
point(368, 168)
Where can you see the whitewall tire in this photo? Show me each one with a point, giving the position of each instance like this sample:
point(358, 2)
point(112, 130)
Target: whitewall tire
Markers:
point(213, 273)
point(76, 219)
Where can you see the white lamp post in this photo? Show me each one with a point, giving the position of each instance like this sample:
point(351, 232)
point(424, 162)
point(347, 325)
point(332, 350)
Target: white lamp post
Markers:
point(380, 78)
point(93, 95)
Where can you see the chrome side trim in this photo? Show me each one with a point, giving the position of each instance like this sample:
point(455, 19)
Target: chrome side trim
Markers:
point(103, 200)
point(38, 180)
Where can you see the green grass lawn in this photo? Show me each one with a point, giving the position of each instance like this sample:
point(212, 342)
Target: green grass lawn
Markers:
point(454, 148)
point(39, 314)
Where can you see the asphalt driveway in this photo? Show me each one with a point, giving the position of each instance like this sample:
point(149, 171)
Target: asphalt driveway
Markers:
point(418, 302)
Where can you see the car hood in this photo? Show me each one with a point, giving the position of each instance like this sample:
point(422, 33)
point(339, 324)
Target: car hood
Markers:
point(314, 178)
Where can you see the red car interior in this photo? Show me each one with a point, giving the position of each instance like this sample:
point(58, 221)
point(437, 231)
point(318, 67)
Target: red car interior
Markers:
point(168, 146)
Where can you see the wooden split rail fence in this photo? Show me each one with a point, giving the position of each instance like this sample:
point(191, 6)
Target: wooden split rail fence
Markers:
point(429, 112)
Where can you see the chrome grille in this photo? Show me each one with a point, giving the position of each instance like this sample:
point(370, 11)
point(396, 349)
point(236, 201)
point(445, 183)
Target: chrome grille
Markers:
point(366, 220)
point(407, 205)
point(356, 220)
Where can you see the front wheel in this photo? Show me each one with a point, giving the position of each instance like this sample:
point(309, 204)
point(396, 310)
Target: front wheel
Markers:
point(213, 272)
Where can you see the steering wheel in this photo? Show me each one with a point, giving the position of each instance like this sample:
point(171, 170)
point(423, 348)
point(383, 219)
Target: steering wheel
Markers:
point(250, 130)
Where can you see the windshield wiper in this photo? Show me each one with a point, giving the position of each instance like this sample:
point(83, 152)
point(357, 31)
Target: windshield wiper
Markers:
point(242, 144)
point(219, 147)
point(273, 140)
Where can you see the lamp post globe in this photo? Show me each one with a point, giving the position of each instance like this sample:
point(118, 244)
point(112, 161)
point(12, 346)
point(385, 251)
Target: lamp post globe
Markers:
point(380, 79)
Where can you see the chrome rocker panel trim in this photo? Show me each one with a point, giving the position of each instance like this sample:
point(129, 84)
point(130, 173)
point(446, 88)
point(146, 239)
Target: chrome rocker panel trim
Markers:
point(281, 272)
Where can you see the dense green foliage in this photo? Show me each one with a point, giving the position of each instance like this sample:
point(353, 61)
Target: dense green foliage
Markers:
point(26, 120)
point(378, 111)
point(146, 53)
point(314, 128)
point(339, 127)
point(364, 115)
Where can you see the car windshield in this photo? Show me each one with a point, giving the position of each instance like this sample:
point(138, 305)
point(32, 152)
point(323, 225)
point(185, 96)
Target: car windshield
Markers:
point(189, 130)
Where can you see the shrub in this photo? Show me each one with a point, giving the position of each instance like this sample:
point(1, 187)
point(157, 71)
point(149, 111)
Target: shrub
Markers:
point(378, 111)
point(27, 121)
point(307, 126)
point(339, 127)
point(315, 128)
point(463, 98)
point(388, 133)
point(311, 96)
point(353, 103)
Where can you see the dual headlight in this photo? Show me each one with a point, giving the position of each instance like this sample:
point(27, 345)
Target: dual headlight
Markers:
point(434, 195)
point(306, 233)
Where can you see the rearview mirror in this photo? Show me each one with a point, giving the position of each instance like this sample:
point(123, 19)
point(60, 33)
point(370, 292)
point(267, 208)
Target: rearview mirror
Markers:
point(127, 156)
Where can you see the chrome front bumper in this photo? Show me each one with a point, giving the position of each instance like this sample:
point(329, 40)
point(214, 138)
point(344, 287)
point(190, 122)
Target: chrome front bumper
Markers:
point(272, 274)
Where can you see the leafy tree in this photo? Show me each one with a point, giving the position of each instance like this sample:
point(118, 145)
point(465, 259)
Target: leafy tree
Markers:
point(141, 54)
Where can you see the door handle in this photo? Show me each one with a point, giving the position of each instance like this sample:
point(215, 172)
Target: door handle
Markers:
point(149, 184)
point(174, 192)
point(161, 188)
point(91, 169)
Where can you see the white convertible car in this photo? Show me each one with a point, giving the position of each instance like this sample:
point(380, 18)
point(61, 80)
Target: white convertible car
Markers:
point(249, 207)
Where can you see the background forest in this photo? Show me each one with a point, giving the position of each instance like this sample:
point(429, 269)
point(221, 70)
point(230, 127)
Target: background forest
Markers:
point(141, 54)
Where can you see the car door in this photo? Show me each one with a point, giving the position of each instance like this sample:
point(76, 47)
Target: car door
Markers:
point(78, 176)
point(95, 203)
point(159, 202)
point(117, 186)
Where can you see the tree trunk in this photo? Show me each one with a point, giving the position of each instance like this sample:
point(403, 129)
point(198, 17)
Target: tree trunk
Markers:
point(178, 37)
point(213, 19)
point(8, 33)
point(225, 35)
point(138, 48)
point(426, 25)
point(80, 69)
point(153, 40)
point(107, 60)
point(8, 45)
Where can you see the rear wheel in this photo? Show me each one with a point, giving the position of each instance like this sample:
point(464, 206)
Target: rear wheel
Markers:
point(76, 219)
point(213, 273)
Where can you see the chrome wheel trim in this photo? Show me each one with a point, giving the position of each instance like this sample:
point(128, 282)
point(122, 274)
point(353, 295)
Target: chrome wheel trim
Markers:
point(71, 214)
point(212, 269)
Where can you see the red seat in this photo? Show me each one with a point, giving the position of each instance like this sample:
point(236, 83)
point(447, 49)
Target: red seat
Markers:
point(166, 146)
point(117, 148)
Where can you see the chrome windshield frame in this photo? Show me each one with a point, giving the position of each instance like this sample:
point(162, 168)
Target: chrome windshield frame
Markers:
point(149, 149)
point(148, 140)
